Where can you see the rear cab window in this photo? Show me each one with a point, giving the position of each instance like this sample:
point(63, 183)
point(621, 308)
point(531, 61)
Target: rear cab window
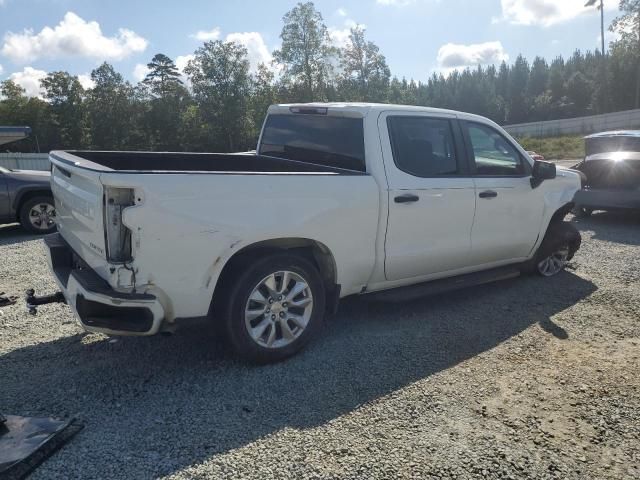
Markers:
point(321, 139)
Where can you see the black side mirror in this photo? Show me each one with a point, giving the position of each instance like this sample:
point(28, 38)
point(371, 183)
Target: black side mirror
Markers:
point(542, 171)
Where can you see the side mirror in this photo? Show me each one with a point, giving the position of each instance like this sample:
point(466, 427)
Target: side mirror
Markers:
point(542, 171)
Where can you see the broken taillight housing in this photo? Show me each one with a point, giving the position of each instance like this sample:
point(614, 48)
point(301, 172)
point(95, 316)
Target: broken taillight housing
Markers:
point(118, 237)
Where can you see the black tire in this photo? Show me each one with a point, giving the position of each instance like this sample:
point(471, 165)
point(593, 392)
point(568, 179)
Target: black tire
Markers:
point(560, 235)
point(237, 298)
point(25, 213)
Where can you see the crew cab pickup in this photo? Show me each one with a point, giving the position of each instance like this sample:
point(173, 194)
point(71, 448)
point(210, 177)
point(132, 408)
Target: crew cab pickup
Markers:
point(337, 200)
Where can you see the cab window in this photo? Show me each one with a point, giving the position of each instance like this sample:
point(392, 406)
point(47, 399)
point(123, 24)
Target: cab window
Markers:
point(423, 146)
point(492, 154)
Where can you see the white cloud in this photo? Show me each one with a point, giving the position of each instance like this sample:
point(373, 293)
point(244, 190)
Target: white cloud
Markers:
point(1, 69)
point(395, 3)
point(206, 36)
point(140, 71)
point(340, 36)
point(86, 82)
point(255, 45)
point(341, 12)
point(181, 64)
point(545, 12)
point(30, 79)
point(182, 61)
point(452, 56)
point(257, 51)
point(73, 36)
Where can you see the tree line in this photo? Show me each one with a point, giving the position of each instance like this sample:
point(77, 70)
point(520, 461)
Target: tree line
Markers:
point(219, 103)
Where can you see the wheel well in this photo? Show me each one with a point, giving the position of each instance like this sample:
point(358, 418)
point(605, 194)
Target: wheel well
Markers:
point(26, 196)
point(562, 212)
point(316, 252)
point(559, 216)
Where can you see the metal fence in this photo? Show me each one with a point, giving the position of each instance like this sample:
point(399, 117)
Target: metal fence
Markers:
point(629, 119)
point(25, 161)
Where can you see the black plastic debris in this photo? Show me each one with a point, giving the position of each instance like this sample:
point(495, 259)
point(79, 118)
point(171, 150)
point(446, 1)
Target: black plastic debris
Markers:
point(5, 300)
point(25, 442)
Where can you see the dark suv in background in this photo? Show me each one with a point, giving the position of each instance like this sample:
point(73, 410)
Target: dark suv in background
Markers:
point(25, 197)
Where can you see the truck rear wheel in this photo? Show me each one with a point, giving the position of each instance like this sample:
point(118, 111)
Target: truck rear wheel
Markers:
point(274, 308)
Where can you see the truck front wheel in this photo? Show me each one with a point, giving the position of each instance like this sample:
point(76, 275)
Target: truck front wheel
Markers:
point(558, 247)
point(274, 308)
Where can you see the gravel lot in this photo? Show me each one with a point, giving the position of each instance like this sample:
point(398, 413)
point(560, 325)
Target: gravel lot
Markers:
point(528, 378)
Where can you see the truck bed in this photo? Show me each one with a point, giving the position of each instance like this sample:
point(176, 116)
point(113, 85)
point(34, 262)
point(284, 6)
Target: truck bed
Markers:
point(153, 162)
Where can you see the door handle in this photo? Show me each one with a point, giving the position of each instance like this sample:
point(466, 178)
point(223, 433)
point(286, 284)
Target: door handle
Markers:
point(488, 194)
point(408, 198)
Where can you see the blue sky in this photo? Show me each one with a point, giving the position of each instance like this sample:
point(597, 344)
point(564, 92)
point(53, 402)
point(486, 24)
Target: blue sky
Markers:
point(418, 37)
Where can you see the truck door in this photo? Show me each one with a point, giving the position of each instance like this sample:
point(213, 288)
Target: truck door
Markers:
point(431, 196)
point(508, 211)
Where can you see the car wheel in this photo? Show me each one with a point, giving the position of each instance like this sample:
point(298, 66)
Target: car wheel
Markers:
point(554, 263)
point(274, 308)
point(38, 215)
point(558, 247)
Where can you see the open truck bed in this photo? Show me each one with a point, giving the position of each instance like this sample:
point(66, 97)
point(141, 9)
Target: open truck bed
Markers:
point(153, 162)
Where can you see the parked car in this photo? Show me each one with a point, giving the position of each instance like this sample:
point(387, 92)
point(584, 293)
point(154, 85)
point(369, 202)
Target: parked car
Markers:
point(340, 199)
point(535, 156)
point(25, 197)
point(611, 172)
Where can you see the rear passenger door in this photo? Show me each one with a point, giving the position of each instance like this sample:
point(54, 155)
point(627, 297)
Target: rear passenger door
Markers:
point(508, 210)
point(431, 196)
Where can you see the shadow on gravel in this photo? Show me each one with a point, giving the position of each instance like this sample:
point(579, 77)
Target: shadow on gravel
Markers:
point(616, 226)
point(154, 406)
point(14, 233)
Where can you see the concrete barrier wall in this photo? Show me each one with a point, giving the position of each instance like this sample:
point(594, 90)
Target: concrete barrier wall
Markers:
point(25, 161)
point(627, 120)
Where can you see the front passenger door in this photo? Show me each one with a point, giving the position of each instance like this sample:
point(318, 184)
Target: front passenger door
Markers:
point(508, 210)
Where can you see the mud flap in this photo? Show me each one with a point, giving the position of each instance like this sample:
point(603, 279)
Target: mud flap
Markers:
point(25, 442)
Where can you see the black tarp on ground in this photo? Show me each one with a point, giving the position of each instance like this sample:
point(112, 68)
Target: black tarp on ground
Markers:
point(25, 442)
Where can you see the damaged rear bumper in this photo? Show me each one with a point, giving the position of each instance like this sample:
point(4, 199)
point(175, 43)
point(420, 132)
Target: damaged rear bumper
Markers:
point(99, 307)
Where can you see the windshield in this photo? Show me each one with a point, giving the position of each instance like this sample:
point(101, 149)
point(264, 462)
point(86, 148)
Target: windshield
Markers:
point(321, 139)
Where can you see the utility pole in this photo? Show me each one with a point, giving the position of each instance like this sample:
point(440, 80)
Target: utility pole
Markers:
point(591, 3)
point(603, 59)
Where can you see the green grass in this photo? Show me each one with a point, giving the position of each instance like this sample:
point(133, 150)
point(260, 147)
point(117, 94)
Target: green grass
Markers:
point(555, 148)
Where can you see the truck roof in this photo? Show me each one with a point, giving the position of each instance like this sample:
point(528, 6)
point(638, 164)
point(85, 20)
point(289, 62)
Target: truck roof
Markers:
point(364, 109)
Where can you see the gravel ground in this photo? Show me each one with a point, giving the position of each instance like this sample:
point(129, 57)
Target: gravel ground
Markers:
point(527, 378)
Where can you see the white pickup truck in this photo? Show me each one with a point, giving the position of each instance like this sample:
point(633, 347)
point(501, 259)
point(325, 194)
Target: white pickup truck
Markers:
point(339, 199)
